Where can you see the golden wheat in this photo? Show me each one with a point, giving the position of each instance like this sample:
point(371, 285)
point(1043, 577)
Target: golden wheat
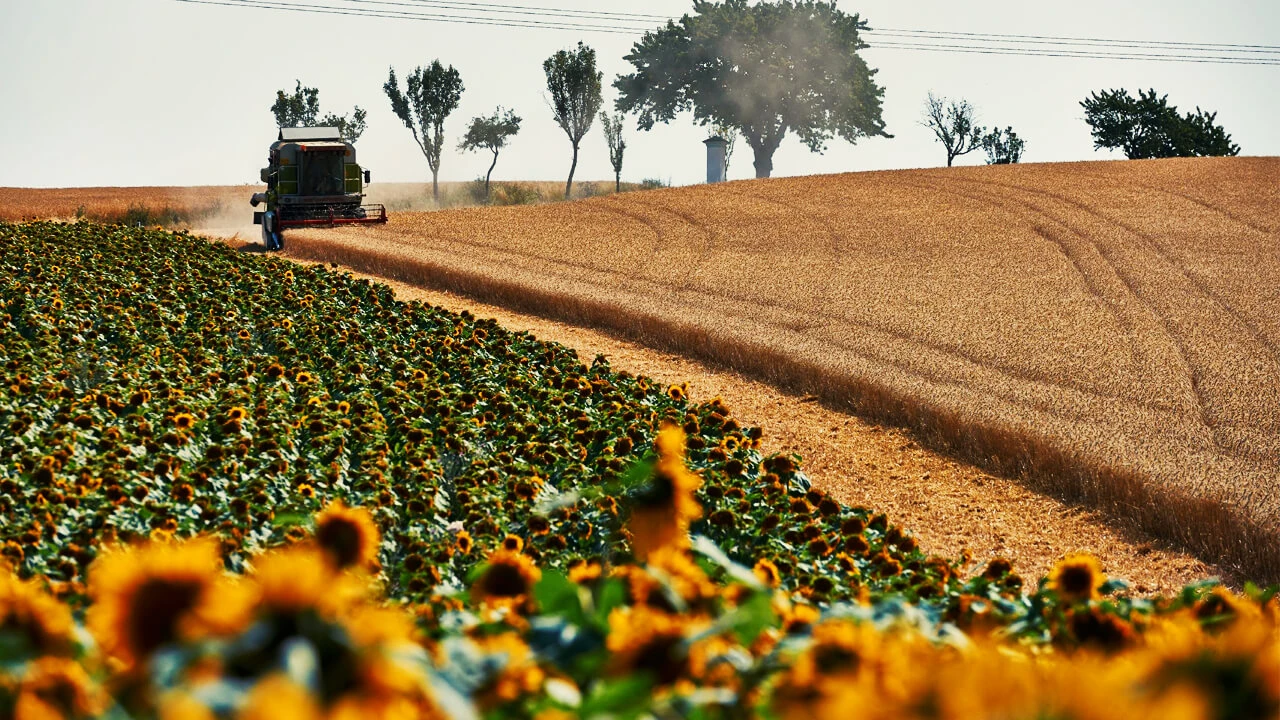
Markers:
point(1108, 330)
point(114, 203)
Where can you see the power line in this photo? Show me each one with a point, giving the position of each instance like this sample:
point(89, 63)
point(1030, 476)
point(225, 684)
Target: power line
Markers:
point(402, 15)
point(538, 10)
point(1054, 39)
point(1080, 54)
point(499, 10)
point(534, 17)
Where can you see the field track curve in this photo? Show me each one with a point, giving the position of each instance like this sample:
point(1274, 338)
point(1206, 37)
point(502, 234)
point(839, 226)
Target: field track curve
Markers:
point(1108, 331)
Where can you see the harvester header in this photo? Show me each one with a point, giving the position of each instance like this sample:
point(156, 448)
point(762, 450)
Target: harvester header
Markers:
point(312, 180)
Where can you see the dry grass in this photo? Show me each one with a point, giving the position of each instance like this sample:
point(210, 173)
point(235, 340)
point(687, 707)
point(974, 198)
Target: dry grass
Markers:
point(1108, 331)
point(150, 205)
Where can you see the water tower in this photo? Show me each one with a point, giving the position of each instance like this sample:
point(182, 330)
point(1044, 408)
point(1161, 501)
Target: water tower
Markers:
point(716, 148)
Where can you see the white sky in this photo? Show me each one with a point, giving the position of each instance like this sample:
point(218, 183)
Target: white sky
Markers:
point(157, 92)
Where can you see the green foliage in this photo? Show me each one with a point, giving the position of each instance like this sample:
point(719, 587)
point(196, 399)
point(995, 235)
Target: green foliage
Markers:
point(953, 123)
point(1149, 127)
point(350, 129)
point(491, 133)
point(431, 95)
point(575, 88)
point(767, 69)
point(301, 108)
point(1003, 147)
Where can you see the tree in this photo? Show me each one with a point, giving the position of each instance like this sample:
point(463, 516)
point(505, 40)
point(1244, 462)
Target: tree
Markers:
point(1003, 147)
point(953, 122)
point(491, 133)
point(575, 88)
point(730, 135)
point(613, 136)
point(1149, 127)
point(301, 108)
point(432, 94)
point(765, 69)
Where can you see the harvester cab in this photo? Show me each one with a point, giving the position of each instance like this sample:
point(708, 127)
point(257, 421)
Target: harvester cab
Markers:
point(312, 181)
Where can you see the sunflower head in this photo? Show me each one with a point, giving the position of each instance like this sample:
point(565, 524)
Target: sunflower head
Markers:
point(508, 577)
point(184, 421)
point(58, 688)
point(237, 414)
point(513, 543)
point(41, 623)
point(648, 641)
point(464, 542)
point(279, 698)
point(767, 572)
point(154, 594)
point(1077, 577)
point(298, 579)
point(348, 536)
point(662, 511)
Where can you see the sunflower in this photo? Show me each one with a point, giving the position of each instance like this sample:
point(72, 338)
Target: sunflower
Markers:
point(678, 392)
point(41, 623)
point(650, 642)
point(677, 570)
point(538, 525)
point(348, 536)
point(520, 675)
point(513, 543)
point(58, 688)
point(237, 414)
point(464, 542)
point(154, 594)
point(298, 578)
point(767, 572)
point(276, 697)
point(1093, 627)
point(585, 572)
point(508, 577)
point(661, 514)
point(833, 675)
point(1077, 577)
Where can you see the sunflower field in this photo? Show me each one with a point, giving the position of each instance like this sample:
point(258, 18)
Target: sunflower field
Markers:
point(237, 487)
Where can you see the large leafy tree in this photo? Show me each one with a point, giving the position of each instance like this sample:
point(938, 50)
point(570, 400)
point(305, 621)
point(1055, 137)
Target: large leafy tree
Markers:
point(765, 69)
point(491, 133)
point(1149, 127)
point(301, 108)
point(431, 95)
point(954, 123)
point(576, 95)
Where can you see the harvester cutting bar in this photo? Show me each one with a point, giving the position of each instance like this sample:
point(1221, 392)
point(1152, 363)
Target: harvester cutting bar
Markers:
point(331, 216)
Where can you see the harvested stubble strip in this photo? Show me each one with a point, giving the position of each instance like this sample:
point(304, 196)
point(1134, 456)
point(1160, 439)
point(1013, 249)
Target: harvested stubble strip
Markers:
point(1105, 330)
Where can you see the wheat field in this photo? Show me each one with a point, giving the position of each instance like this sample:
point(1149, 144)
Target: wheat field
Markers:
point(152, 205)
point(1108, 331)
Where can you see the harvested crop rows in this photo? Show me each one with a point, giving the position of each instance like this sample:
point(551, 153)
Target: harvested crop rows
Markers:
point(1109, 329)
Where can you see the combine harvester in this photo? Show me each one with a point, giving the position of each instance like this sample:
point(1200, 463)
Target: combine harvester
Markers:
point(312, 181)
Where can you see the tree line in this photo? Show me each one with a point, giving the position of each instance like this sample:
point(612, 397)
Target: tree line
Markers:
point(760, 71)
